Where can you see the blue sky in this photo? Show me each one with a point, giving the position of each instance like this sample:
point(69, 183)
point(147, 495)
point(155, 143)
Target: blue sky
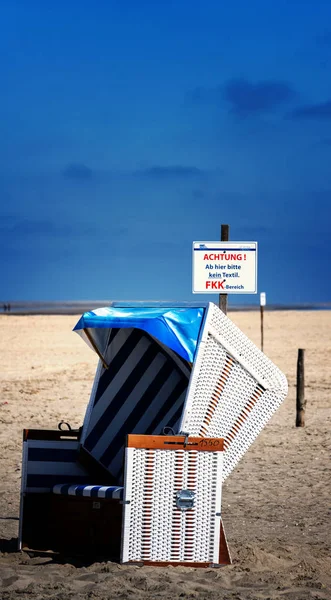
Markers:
point(129, 129)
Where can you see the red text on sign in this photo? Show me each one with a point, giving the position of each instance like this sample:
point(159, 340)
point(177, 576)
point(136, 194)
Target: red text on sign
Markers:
point(215, 285)
point(223, 256)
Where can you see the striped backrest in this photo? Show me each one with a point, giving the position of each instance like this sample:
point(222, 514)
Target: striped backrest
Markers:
point(234, 388)
point(142, 390)
point(49, 462)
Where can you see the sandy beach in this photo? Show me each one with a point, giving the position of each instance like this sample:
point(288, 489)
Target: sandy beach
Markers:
point(276, 505)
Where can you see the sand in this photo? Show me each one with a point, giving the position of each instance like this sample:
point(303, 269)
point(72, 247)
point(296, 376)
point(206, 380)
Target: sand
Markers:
point(276, 505)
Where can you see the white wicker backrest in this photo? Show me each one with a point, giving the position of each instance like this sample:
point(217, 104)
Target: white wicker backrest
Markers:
point(234, 388)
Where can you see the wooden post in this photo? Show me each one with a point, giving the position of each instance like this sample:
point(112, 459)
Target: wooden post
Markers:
point(262, 305)
point(223, 298)
point(301, 402)
point(261, 312)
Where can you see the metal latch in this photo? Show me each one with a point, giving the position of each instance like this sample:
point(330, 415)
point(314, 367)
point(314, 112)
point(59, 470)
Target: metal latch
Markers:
point(185, 499)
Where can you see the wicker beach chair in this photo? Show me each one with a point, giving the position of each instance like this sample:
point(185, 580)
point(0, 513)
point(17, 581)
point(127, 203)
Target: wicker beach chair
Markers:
point(185, 371)
point(228, 388)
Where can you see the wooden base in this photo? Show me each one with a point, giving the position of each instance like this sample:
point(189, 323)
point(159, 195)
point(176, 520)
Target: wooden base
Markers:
point(224, 555)
point(86, 526)
point(71, 524)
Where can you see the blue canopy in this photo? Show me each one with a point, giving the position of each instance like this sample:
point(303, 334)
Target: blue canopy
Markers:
point(178, 328)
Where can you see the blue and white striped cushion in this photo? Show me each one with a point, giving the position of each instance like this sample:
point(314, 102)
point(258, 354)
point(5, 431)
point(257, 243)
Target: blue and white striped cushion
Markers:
point(90, 491)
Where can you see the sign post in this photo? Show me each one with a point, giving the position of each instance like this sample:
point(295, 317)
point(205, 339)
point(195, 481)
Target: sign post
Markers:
point(224, 268)
point(223, 298)
point(263, 301)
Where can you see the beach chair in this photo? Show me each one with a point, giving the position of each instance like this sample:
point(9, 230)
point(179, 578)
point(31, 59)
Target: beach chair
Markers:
point(211, 382)
point(170, 381)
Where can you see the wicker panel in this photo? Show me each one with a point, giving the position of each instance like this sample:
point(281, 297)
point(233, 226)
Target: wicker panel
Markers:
point(155, 529)
point(234, 388)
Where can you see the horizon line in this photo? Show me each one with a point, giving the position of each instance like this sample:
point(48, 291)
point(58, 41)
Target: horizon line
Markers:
point(68, 307)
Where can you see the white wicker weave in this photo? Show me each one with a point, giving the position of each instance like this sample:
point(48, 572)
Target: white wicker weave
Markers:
point(234, 388)
point(155, 529)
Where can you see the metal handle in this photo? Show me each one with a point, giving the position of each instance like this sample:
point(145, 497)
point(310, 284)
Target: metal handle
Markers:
point(185, 499)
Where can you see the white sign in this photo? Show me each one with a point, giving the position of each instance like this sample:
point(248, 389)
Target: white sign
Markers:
point(263, 299)
point(224, 268)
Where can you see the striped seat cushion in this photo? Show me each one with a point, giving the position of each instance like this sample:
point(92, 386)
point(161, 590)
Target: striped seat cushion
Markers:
point(90, 491)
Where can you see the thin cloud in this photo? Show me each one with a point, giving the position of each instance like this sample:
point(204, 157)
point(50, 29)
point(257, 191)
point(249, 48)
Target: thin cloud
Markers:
point(11, 225)
point(320, 111)
point(248, 98)
point(171, 172)
point(78, 172)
